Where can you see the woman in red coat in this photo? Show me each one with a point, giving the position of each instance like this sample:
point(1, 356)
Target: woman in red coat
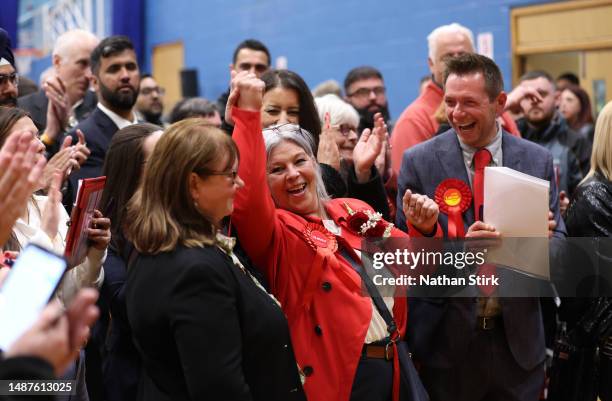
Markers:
point(302, 242)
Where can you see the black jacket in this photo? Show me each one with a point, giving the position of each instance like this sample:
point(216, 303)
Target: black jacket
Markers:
point(205, 331)
point(26, 368)
point(571, 152)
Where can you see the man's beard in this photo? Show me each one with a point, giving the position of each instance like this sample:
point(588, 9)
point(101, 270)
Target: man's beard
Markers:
point(9, 101)
point(117, 100)
point(150, 117)
point(366, 117)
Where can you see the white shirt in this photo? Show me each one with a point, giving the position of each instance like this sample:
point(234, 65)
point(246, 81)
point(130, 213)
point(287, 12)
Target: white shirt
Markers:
point(119, 121)
point(87, 274)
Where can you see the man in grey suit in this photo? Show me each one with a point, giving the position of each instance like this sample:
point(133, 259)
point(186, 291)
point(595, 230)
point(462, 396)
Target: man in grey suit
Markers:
point(480, 348)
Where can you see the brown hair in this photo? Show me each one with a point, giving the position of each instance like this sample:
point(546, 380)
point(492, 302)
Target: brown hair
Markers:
point(8, 118)
point(123, 167)
point(162, 214)
point(471, 63)
point(585, 115)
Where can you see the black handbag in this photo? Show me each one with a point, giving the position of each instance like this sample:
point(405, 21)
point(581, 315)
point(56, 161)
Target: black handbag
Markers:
point(412, 388)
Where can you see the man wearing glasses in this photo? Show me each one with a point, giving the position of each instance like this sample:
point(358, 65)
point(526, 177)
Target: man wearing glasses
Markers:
point(8, 75)
point(365, 91)
point(149, 104)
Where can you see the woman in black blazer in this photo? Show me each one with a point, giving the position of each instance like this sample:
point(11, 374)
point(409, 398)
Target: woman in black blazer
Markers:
point(204, 327)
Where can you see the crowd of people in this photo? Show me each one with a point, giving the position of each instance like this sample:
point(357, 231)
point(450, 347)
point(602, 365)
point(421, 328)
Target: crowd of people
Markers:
point(225, 251)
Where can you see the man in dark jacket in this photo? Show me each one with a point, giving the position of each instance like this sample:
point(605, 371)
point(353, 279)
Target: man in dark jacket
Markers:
point(65, 98)
point(544, 125)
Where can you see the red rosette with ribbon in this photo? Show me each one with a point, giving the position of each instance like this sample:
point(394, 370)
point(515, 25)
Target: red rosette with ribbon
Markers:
point(453, 197)
point(325, 245)
point(317, 236)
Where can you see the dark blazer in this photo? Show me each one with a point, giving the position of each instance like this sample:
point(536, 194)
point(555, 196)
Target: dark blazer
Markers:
point(121, 366)
point(440, 330)
point(98, 129)
point(206, 332)
point(36, 104)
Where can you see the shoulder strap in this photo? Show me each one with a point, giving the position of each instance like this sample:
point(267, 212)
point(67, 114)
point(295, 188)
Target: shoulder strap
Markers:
point(372, 290)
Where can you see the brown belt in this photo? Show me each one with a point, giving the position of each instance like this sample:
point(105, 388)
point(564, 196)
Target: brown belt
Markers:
point(489, 322)
point(378, 351)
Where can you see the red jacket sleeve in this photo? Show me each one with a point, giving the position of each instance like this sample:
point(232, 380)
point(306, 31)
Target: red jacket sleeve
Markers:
point(254, 215)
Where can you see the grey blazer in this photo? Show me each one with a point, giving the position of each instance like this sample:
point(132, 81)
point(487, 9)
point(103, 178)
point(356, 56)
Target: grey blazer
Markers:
point(440, 329)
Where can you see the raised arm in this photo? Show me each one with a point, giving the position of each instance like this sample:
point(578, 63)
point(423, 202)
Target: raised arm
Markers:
point(254, 215)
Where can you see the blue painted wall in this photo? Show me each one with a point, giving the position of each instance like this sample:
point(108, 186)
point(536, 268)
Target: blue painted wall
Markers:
point(324, 39)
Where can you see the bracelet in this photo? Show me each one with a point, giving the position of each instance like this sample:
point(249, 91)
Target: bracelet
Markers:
point(46, 140)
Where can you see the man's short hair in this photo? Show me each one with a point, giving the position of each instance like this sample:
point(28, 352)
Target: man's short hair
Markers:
point(109, 47)
point(537, 74)
point(359, 73)
point(192, 107)
point(571, 77)
point(252, 44)
point(471, 63)
point(432, 38)
point(146, 75)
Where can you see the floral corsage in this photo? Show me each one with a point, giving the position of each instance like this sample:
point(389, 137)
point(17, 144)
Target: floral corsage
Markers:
point(367, 223)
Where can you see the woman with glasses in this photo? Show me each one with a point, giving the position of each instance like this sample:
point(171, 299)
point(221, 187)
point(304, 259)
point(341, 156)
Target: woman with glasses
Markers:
point(203, 326)
point(309, 250)
point(287, 99)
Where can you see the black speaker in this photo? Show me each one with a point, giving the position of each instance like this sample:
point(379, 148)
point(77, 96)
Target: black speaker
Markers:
point(189, 83)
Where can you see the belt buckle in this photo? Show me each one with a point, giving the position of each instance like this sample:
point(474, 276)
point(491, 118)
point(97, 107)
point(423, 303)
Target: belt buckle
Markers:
point(389, 350)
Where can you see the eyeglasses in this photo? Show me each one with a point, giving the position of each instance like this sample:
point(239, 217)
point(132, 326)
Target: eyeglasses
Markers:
point(13, 78)
point(365, 92)
point(233, 174)
point(148, 91)
point(344, 129)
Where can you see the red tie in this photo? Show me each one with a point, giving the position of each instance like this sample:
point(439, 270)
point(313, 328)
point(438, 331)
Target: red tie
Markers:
point(482, 158)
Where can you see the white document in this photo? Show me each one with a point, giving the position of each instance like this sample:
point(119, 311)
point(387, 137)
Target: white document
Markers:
point(516, 204)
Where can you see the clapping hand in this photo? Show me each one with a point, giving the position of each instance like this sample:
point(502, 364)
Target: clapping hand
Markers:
point(368, 148)
point(58, 108)
point(20, 171)
point(328, 152)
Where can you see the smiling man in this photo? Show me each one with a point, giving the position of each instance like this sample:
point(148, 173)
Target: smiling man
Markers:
point(116, 79)
point(483, 347)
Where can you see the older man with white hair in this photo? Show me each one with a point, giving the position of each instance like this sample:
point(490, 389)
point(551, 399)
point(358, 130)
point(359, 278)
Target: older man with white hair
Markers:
point(65, 98)
point(418, 123)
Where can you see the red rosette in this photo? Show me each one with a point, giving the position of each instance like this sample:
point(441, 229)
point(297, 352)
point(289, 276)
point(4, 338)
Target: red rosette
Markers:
point(317, 236)
point(453, 197)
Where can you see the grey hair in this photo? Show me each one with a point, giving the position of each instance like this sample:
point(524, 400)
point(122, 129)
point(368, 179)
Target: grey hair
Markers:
point(277, 134)
point(75, 37)
point(432, 38)
point(340, 112)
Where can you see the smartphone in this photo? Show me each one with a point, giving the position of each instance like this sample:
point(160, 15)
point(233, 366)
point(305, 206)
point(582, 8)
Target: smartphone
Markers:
point(26, 290)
